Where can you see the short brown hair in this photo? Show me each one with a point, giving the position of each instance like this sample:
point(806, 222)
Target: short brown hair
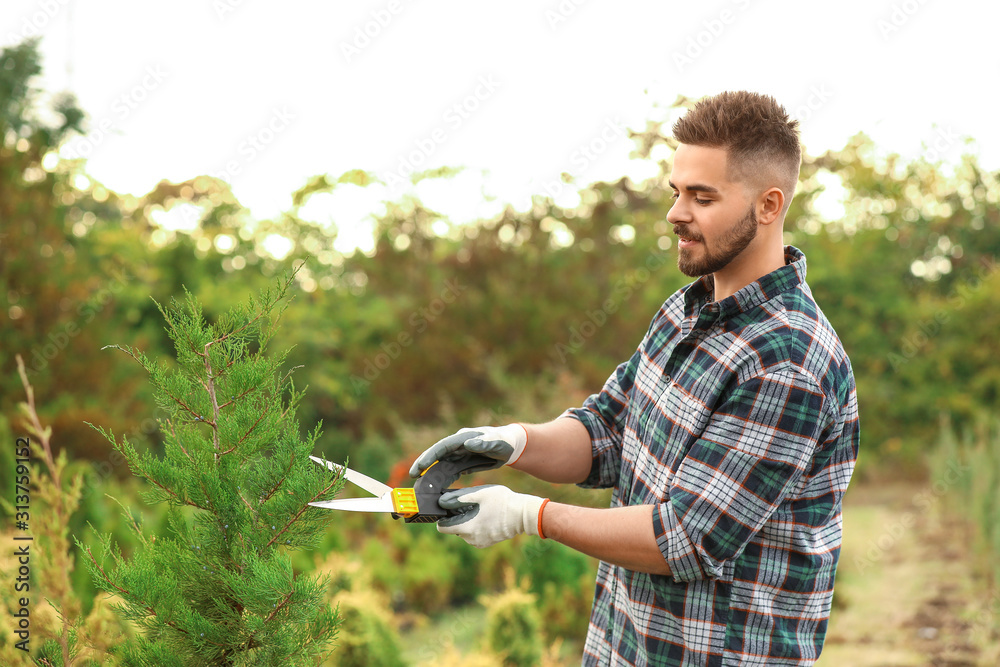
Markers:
point(761, 141)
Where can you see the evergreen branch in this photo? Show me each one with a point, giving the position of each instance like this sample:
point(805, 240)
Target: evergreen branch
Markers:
point(289, 374)
point(170, 321)
point(129, 351)
point(136, 528)
point(211, 505)
point(142, 472)
point(262, 310)
point(173, 431)
point(236, 398)
point(126, 595)
point(279, 607)
point(189, 410)
point(253, 427)
point(210, 378)
point(302, 509)
point(215, 401)
point(246, 503)
point(281, 480)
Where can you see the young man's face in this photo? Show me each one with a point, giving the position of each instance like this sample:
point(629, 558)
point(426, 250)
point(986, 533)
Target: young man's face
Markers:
point(712, 216)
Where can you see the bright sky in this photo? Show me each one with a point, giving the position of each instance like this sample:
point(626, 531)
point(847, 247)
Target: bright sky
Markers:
point(267, 94)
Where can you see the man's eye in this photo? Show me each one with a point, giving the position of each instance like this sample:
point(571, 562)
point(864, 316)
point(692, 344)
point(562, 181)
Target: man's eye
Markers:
point(702, 202)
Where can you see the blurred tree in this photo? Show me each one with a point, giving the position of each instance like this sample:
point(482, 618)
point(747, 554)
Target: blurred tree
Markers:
point(57, 284)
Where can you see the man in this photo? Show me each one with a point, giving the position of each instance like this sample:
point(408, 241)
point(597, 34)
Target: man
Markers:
point(729, 436)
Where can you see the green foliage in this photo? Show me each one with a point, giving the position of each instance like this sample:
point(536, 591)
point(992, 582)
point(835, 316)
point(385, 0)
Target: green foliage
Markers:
point(50, 497)
point(413, 566)
point(366, 636)
point(429, 572)
point(966, 465)
point(219, 588)
point(547, 562)
point(562, 581)
point(59, 285)
point(566, 609)
point(7, 462)
point(513, 627)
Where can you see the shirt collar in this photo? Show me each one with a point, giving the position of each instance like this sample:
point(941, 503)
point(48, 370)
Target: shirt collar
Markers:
point(789, 276)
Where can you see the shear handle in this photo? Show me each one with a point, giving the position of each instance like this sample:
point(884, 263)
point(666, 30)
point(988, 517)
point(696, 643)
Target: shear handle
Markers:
point(439, 476)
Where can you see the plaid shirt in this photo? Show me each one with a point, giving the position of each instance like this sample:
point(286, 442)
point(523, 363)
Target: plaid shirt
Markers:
point(738, 421)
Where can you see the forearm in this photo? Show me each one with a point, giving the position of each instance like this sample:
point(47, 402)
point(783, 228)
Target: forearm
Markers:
point(621, 535)
point(558, 451)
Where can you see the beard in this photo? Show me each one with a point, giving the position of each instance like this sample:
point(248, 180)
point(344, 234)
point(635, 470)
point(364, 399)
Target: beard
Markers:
point(702, 260)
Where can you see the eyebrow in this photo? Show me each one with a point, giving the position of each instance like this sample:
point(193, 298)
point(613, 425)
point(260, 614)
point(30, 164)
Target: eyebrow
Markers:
point(696, 188)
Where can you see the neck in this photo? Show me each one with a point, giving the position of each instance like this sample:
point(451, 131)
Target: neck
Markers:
point(752, 264)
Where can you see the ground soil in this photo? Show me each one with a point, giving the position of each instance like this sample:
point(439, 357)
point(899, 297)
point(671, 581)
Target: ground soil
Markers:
point(907, 590)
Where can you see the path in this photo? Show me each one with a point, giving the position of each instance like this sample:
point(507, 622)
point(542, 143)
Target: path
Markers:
point(906, 594)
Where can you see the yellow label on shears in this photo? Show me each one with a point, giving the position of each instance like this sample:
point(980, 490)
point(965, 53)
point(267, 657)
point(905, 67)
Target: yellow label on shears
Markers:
point(404, 501)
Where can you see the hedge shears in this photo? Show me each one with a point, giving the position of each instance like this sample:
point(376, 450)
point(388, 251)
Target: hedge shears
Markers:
point(416, 505)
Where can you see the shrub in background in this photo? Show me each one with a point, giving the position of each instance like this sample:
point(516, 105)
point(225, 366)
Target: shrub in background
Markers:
point(367, 636)
point(60, 635)
point(513, 626)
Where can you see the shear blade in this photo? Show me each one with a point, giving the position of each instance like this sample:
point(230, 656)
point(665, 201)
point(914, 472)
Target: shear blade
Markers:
point(381, 504)
point(372, 486)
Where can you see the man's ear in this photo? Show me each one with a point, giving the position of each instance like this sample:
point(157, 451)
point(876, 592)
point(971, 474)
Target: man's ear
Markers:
point(769, 205)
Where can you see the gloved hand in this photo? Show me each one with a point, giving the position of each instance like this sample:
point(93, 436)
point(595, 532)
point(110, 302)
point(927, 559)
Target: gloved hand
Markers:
point(491, 514)
point(503, 443)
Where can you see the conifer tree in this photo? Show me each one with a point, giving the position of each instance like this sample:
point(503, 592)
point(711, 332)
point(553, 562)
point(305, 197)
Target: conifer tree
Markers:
point(219, 588)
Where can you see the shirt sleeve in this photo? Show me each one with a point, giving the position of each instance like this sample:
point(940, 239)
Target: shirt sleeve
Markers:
point(604, 414)
point(753, 452)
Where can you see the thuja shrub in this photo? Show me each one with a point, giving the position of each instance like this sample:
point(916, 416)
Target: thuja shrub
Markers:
point(513, 627)
point(217, 587)
point(367, 636)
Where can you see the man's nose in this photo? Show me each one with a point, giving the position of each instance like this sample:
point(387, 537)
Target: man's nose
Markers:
point(678, 213)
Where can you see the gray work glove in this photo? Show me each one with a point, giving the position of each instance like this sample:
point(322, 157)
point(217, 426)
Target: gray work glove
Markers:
point(504, 444)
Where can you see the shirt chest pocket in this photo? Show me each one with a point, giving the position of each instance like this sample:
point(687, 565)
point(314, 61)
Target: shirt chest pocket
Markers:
point(668, 424)
point(685, 415)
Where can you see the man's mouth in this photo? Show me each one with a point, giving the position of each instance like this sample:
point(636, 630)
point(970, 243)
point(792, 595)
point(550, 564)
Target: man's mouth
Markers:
point(684, 240)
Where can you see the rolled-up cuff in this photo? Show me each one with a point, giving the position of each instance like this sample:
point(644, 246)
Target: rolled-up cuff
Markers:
point(605, 450)
point(675, 545)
